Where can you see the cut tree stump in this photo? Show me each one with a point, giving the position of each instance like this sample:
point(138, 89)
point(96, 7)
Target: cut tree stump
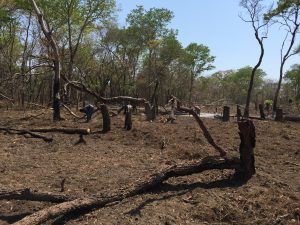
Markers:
point(226, 114)
point(247, 145)
point(238, 112)
point(279, 114)
point(261, 111)
point(150, 182)
point(105, 117)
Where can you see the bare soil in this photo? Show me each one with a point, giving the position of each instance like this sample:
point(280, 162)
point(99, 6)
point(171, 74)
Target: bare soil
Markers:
point(108, 162)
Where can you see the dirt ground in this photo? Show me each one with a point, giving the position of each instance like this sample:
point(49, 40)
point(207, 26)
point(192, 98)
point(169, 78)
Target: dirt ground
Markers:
point(108, 162)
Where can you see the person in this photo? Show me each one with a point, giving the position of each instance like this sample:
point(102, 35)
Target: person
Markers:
point(89, 111)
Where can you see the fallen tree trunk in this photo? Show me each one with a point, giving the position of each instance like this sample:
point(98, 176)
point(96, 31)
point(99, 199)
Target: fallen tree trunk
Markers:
point(63, 130)
point(27, 194)
point(202, 126)
point(154, 180)
point(24, 132)
point(292, 118)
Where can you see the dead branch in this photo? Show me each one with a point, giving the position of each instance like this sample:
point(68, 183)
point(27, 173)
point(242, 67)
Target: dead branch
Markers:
point(32, 195)
point(63, 130)
point(7, 98)
point(32, 116)
point(154, 180)
point(24, 132)
point(201, 124)
point(70, 111)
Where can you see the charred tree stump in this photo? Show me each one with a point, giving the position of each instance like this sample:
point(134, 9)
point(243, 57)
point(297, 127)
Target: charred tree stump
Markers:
point(261, 111)
point(106, 118)
point(128, 120)
point(279, 114)
point(226, 114)
point(238, 113)
point(247, 145)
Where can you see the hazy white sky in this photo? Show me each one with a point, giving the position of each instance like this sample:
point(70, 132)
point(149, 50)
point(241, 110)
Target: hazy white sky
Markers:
point(217, 25)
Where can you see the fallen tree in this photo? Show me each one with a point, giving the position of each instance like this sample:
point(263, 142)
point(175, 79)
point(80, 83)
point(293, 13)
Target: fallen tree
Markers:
point(201, 124)
point(63, 130)
point(152, 181)
point(25, 132)
point(27, 194)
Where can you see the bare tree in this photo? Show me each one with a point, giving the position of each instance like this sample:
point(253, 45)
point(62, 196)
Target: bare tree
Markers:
point(287, 16)
point(255, 10)
point(56, 61)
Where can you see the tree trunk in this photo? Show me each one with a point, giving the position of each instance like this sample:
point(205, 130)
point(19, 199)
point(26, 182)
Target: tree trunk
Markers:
point(247, 145)
point(106, 118)
point(279, 114)
point(56, 61)
point(261, 111)
point(226, 114)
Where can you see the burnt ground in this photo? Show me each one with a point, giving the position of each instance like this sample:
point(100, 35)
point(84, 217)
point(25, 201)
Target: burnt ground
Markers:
point(119, 158)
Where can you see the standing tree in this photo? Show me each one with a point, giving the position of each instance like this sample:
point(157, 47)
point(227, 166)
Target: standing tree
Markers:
point(56, 61)
point(198, 59)
point(286, 14)
point(255, 11)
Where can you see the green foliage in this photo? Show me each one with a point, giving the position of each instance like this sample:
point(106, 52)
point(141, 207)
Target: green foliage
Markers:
point(198, 58)
point(293, 78)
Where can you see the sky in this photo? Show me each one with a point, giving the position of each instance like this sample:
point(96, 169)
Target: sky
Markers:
point(217, 25)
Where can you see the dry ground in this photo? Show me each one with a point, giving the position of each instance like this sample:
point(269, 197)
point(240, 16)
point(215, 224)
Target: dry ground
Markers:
point(114, 160)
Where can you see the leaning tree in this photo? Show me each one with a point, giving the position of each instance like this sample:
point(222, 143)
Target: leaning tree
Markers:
point(286, 14)
point(255, 11)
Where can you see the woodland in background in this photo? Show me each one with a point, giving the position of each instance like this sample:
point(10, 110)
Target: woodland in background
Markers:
point(117, 61)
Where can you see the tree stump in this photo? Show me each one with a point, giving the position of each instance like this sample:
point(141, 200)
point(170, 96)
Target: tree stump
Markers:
point(226, 113)
point(247, 145)
point(261, 111)
point(128, 120)
point(238, 113)
point(279, 114)
point(106, 118)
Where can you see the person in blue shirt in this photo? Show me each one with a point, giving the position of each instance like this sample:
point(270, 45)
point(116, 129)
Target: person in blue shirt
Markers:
point(89, 110)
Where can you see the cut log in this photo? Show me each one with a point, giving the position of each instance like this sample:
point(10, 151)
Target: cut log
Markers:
point(202, 126)
point(27, 194)
point(63, 130)
point(292, 118)
point(24, 132)
point(154, 180)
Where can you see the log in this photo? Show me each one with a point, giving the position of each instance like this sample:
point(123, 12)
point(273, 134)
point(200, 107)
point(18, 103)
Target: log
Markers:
point(202, 126)
point(154, 180)
point(24, 132)
point(27, 194)
point(63, 130)
point(292, 118)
